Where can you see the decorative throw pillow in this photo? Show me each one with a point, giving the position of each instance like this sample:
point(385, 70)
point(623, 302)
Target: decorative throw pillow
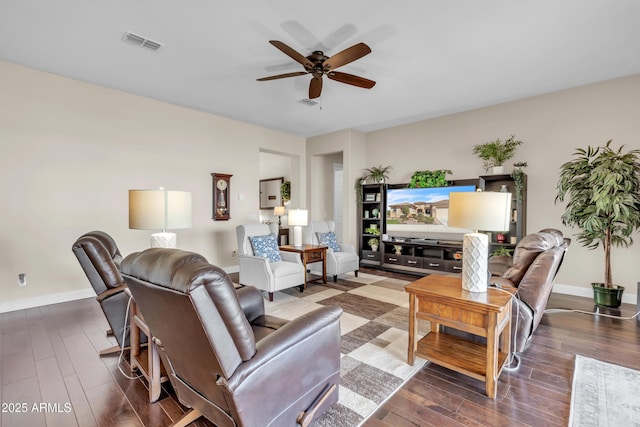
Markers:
point(329, 239)
point(266, 247)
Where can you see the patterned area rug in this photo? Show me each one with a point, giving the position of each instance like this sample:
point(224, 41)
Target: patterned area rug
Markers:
point(374, 329)
point(604, 394)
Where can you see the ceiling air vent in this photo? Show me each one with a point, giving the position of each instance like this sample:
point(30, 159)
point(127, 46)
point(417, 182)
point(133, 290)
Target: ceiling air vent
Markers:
point(141, 41)
point(307, 101)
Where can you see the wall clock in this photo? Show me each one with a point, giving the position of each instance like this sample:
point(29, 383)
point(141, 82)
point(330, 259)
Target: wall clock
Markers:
point(221, 188)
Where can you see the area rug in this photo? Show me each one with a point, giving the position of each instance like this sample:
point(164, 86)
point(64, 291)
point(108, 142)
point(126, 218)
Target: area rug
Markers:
point(604, 394)
point(374, 342)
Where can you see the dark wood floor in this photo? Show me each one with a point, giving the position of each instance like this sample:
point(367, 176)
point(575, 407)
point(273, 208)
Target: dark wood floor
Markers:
point(49, 355)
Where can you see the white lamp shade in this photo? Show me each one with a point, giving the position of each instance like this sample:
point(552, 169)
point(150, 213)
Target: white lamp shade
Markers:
point(159, 209)
point(298, 217)
point(279, 210)
point(480, 210)
point(488, 211)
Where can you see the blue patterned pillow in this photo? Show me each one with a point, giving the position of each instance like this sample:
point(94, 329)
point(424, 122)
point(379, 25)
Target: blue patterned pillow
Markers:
point(266, 247)
point(329, 239)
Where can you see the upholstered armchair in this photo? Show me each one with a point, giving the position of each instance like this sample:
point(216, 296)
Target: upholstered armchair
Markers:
point(100, 260)
point(261, 263)
point(228, 360)
point(341, 258)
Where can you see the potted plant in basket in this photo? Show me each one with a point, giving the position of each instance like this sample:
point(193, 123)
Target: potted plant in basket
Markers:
point(374, 242)
point(602, 188)
point(495, 153)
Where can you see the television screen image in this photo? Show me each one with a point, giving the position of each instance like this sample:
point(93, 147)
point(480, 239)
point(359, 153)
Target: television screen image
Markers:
point(418, 212)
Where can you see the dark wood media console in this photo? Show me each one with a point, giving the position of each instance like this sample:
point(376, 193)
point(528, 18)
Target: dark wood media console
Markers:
point(422, 256)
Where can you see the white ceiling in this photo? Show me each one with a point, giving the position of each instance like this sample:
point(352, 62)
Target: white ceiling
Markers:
point(429, 58)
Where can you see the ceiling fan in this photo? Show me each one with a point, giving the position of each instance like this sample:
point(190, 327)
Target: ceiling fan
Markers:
point(318, 64)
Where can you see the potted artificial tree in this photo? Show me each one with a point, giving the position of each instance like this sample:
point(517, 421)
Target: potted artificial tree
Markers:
point(495, 153)
point(602, 188)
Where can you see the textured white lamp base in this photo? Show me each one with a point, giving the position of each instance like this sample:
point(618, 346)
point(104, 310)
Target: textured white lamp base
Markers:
point(297, 235)
point(475, 253)
point(163, 240)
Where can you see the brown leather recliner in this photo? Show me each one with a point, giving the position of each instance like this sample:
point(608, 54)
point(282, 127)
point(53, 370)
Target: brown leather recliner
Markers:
point(535, 264)
point(228, 361)
point(100, 259)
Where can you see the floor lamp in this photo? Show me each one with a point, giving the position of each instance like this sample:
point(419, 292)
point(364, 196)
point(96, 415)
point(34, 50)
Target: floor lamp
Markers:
point(298, 218)
point(481, 210)
point(160, 210)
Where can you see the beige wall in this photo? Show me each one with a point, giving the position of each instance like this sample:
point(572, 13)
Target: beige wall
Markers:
point(551, 126)
point(69, 151)
point(351, 144)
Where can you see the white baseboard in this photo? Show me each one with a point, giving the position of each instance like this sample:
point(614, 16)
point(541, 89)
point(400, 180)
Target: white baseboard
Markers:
point(580, 291)
point(24, 303)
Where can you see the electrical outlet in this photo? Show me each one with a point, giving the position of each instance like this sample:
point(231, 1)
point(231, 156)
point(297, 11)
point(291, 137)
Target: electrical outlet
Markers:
point(22, 279)
point(234, 254)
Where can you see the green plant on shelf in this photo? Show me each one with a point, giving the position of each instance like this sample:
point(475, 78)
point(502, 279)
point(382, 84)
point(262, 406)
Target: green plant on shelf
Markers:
point(425, 179)
point(502, 251)
point(372, 231)
point(495, 153)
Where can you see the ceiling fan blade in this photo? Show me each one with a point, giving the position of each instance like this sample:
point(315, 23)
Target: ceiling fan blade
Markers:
point(348, 55)
point(315, 87)
point(282, 76)
point(350, 79)
point(292, 54)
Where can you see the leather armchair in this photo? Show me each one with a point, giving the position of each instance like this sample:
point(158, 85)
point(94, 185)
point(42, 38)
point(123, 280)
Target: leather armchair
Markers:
point(100, 260)
point(341, 262)
point(258, 271)
point(535, 264)
point(228, 360)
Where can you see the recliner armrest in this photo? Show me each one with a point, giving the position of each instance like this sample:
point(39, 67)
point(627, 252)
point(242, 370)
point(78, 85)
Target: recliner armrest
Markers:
point(295, 340)
point(345, 247)
point(110, 292)
point(291, 257)
point(254, 267)
point(251, 302)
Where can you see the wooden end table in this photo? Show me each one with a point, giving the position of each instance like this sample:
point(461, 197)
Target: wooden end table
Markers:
point(310, 254)
point(442, 301)
point(145, 358)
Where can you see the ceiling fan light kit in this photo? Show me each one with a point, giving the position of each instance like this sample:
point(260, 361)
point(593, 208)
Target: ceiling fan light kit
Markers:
point(318, 64)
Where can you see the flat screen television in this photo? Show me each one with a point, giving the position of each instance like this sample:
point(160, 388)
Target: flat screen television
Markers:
point(422, 212)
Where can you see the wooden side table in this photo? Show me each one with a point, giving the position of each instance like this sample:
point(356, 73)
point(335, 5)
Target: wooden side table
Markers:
point(310, 254)
point(441, 300)
point(145, 359)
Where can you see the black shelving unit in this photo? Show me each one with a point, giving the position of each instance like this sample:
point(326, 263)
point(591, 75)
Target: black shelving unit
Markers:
point(370, 214)
point(518, 225)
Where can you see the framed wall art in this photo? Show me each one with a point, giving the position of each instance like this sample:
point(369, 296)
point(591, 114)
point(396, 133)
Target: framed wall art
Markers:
point(271, 193)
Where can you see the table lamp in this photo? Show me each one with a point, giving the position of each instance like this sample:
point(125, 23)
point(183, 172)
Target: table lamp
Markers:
point(298, 218)
point(160, 210)
point(279, 211)
point(481, 210)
